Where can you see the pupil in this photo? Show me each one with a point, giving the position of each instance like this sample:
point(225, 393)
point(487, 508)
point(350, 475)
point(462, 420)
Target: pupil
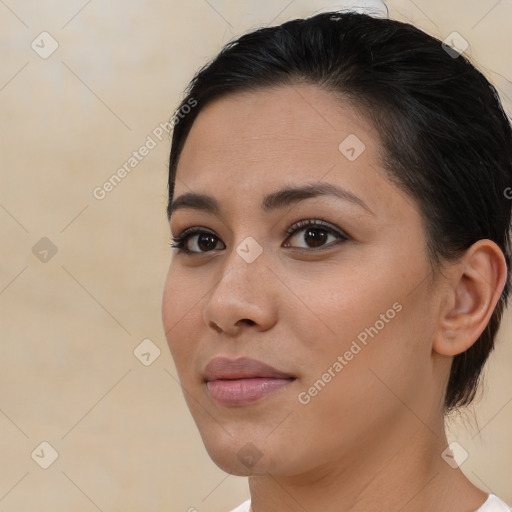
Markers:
point(317, 240)
point(211, 245)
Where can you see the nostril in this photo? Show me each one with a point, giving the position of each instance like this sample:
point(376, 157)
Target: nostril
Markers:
point(216, 327)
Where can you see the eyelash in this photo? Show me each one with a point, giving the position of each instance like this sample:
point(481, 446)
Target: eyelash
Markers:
point(180, 240)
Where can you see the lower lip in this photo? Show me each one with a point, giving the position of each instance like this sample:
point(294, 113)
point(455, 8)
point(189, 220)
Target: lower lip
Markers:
point(243, 391)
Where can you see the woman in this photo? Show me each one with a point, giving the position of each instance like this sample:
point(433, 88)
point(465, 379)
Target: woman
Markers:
point(338, 206)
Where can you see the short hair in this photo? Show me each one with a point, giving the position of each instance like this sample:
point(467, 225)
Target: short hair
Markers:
point(445, 138)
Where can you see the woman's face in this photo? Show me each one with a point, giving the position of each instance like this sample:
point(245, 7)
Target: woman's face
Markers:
point(342, 311)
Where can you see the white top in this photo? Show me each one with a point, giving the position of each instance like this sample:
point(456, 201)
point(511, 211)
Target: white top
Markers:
point(492, 504)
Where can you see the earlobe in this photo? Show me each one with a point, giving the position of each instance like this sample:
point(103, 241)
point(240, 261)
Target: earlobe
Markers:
point(475, 284)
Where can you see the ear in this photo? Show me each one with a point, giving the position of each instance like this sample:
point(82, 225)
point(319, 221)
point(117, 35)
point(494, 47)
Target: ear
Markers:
point(474, 286)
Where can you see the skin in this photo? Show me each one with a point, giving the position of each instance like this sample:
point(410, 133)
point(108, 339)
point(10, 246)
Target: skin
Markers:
point(372, 438)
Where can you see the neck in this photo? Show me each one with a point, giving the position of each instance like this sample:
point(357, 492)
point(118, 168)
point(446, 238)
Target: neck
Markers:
point(400, 470)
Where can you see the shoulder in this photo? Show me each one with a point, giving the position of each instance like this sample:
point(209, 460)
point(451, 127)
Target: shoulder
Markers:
point(494, 504)
point(244, 507)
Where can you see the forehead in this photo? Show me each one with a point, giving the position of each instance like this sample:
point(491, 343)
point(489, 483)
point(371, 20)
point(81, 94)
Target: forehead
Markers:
point(249, 143)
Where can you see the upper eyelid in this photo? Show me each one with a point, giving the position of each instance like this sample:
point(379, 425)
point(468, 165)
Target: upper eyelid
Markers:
point(320, 223)
point(296, 226)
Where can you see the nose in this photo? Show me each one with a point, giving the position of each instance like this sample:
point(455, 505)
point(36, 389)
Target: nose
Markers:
point(244, 295)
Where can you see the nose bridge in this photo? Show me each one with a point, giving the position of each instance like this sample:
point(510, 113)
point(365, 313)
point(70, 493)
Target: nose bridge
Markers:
point(238, 293)
point(245, 263)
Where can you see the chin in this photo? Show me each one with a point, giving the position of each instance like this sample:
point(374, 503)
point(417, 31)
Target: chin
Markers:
point(239, 464)
point(239, 455)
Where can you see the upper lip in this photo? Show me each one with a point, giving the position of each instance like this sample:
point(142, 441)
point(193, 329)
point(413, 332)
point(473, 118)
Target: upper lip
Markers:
point(241, 368)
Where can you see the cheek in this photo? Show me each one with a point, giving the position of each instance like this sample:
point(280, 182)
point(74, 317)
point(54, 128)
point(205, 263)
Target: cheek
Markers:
point(181, 321)
point(345, 303)
point(367, 321)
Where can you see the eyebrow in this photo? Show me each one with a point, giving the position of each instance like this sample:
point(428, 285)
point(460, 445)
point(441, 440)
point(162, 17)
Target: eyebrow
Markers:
point(276, 200)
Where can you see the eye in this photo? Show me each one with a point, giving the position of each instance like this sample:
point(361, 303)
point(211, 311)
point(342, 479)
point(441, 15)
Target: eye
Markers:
point(316, 231)
point(205, 240)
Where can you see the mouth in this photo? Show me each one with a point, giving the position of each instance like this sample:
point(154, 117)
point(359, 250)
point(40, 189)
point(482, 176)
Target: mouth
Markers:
point(237, 382)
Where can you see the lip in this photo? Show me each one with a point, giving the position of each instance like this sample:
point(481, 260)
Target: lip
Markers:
point(241, 368)
point(236, 382)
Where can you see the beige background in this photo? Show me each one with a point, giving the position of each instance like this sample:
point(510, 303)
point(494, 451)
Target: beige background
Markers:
point(70, 324)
